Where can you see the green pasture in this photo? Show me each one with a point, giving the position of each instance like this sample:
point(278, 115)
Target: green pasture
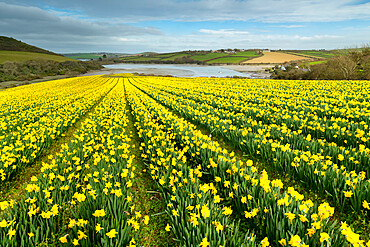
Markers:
point(22, 56)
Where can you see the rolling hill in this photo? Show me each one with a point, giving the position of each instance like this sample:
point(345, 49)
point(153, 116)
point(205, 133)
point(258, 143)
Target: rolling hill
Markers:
point(93, 55)
point(201, 57)
point(15, 50)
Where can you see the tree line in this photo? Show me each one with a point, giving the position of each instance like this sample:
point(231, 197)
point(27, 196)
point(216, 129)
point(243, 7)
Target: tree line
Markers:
point(36, 69)
point(354, 65)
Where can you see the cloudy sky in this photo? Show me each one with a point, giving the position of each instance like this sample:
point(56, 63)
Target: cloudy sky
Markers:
point(131, 26)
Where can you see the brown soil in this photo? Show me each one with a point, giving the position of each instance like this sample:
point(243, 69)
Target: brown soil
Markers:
point(275, 58)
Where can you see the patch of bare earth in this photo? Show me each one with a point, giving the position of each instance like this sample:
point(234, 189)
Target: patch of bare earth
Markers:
point(275, 58)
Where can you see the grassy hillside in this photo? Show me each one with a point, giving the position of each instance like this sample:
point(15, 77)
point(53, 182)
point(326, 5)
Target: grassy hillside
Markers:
point(83, 55)
point(39, 68)
point(11, 44)
point(208, 56)
point(22, 62)
point(172, 57)
point(22, 56)
point(227, 59)
point(156, 57)
point(13, 50)
point(251, 53)
point(93, 55)
point(141, 59)
point(200, 57)
point(314, 53)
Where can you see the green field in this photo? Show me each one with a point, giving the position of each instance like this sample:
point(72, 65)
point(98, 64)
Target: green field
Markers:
point(173, 57)
point(167, 55)
point(158, 57)
point(314, 53)
point(234, 58)
point(317, 62)
point(227, 60)
point(247, 54)
point(22, 56)
point(208, 56)
point(127, 58)
point(141, 59)
point(83, 56)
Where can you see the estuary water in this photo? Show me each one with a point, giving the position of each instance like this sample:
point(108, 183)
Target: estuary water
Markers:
point(183, 70)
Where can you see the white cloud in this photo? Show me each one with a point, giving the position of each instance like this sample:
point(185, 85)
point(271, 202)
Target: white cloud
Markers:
point(291, 26)
point(223, 31)
point(127, 40)
point(319, 37)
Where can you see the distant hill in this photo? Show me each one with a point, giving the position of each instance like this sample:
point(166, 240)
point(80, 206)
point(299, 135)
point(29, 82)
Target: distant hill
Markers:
point(94, 55)
point(11, 44)
point(18, 51)
point(222, 56)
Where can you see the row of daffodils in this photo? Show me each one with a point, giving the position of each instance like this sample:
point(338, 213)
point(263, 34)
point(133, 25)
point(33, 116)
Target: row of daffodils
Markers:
point(82, 195)
point(321, 166)
point(31, 120)
point(267, 214)
point(197, 216)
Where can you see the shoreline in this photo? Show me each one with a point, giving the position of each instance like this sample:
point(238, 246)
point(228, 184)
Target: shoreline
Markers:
point(256, 70)
point(11, 84)
point(251, 71)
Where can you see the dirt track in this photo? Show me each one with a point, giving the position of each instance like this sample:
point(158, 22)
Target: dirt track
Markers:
point(275, 58)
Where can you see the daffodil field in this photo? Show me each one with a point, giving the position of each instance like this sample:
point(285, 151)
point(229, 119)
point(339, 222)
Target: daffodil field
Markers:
point(314, 132)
